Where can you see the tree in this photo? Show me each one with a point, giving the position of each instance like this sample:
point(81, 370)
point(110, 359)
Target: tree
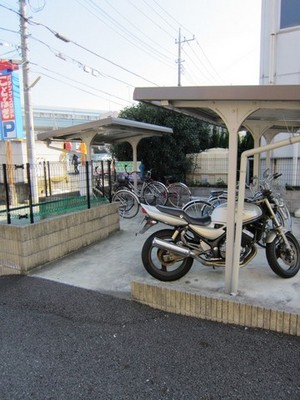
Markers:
point(219, 137)
point(246, 142)
point(165, 155)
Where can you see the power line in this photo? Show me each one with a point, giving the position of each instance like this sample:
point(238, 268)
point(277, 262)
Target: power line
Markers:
point(65, 57)
point(150, 19)
point(197, 42)
point(160, 16)
point(78, 88)
point(207, 59)
point(171, 16)
point(139, 30)
point(67, 40)
point(10, 9)
point(117, 26)
point(9, 30)
point(204, 70)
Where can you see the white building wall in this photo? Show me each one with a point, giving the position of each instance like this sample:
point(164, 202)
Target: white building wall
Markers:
point(280, 56)
point(280, 64)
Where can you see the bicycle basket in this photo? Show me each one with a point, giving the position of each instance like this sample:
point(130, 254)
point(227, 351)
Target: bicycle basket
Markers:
point(121, 178)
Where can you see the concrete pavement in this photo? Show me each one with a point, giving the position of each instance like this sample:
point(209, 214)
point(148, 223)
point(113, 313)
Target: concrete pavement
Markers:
point(113, 264)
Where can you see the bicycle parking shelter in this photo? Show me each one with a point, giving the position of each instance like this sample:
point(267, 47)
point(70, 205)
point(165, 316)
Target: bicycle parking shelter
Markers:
point(263, 110)
point(108, 130)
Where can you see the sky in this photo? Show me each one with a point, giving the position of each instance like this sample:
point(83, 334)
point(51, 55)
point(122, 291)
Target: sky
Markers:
point(116, 45)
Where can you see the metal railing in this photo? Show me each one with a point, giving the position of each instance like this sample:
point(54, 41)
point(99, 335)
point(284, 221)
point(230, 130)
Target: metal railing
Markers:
point(47, 189)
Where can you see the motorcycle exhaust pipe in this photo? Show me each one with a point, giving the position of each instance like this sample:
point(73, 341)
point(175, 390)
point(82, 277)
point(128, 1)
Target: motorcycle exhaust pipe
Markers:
point(173, 248)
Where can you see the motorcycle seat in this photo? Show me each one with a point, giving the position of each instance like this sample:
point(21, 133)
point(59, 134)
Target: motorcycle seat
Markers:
point(178, 212)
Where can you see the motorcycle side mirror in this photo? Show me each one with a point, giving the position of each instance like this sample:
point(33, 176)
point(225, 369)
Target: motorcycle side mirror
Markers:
point(277, 175)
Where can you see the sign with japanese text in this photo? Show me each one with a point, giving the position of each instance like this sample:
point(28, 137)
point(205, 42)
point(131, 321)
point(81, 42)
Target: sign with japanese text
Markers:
point(10, 107)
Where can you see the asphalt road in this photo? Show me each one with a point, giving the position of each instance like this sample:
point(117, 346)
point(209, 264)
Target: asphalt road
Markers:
point(63, 342)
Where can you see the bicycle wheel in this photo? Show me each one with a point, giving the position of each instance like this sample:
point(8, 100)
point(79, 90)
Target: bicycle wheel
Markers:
point(155, 193)
point(198, 208)
point(178, 194)
point(128, 203)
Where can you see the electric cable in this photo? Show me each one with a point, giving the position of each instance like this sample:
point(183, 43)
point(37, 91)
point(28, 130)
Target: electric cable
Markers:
point(160, 16)
point(65, 57)
point(66, 77)
point(108, 19)
point(152, 20)
point(67, 40)
point(82, 90)
point(139, 30)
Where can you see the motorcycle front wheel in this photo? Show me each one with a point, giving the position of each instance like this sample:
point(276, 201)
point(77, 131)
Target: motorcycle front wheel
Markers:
point(283, 262)
point(163, 264)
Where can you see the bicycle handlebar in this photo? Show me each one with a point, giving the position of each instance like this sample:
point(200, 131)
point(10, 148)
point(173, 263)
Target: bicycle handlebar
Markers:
point(148, 174)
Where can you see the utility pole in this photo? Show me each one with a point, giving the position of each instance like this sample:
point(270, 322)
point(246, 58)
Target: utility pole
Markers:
point(179, 60)
point(30, 142)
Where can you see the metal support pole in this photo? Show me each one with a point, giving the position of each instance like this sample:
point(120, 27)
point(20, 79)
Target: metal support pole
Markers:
point(49, 178)
point(30, 193)
point(5, 180)
point(240, 206)
point(109, 181)
point(102, 178)
point(230, 234)
point(45, 178)
point(88, 195)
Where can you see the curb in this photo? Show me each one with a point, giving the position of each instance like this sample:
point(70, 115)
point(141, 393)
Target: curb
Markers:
point(215, 309)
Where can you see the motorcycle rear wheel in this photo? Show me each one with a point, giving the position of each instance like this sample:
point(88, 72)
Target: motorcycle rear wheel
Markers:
point(162, 264)
point(279, 258)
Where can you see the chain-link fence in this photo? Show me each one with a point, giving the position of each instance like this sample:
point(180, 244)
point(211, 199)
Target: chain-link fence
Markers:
point(288, 167)
point(34, 192)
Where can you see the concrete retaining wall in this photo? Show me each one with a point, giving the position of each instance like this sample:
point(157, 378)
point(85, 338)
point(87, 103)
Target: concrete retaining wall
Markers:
point(26, 247)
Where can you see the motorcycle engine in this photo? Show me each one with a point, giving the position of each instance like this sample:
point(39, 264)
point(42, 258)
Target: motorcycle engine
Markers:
point(222, 249)
point(246, 245)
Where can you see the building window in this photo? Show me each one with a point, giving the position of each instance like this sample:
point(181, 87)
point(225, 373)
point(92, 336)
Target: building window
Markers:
point(290, 13)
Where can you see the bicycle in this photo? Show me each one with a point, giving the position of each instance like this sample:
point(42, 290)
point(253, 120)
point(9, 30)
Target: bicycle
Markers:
point(199, 207)
point(178, 194)
point(151, 192)
point(99, 187)
point(128, 203)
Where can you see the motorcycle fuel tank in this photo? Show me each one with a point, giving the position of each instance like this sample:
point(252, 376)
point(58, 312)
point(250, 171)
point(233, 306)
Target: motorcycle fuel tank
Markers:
point(251, 212)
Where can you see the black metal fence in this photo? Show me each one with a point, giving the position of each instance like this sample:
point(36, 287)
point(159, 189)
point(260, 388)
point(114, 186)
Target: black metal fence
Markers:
point(34, 192)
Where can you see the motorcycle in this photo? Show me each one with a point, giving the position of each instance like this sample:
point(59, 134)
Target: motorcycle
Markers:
point(198, 206)
point(169, 254)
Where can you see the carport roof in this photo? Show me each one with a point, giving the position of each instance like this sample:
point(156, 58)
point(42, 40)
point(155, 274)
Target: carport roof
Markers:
point(107, 130)
point(263, 109)
point(276, 104)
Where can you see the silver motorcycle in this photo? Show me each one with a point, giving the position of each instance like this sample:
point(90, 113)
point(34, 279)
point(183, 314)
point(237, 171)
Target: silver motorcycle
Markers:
point(169, 254)
point(199, 207)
